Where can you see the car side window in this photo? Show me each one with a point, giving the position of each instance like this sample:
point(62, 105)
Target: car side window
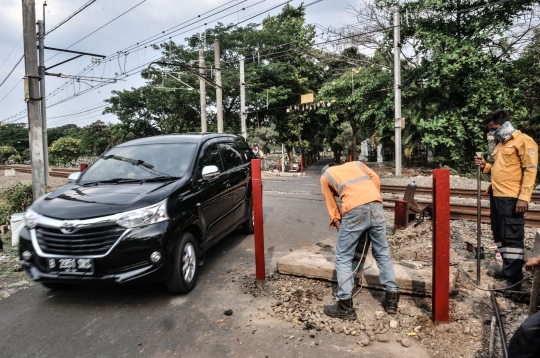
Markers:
point(242, 147)
point(231, 157)
point(210, 157)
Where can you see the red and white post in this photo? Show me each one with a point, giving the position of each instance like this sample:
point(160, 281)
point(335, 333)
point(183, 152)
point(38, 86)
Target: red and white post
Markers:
point(258, 218)
point(441, 246)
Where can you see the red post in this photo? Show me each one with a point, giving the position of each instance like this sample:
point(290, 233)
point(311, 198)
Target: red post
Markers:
point(279, 164)
point(258, 218)
point(401, 215)
point(350, 158)
point(301, 163)
point(441, 246)
point(83, 167)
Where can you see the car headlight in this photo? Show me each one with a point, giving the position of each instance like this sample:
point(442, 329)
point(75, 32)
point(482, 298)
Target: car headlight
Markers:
point(144, 216)
point(30, 218)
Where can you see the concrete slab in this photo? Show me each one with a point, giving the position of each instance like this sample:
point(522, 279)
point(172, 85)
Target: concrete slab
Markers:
point(316, 261)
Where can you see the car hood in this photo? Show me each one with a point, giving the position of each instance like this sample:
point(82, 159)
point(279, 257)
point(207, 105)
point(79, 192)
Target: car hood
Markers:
point(73, 201)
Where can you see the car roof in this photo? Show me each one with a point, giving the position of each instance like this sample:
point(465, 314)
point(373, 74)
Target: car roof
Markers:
point(178, 138)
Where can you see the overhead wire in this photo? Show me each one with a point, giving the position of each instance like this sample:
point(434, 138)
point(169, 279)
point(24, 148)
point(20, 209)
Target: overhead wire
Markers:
point(96, 30)
point(13, 69)
point(70, 17)
point(10, 52)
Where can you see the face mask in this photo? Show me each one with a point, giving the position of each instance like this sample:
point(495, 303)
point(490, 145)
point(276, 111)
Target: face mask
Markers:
point(504, 132)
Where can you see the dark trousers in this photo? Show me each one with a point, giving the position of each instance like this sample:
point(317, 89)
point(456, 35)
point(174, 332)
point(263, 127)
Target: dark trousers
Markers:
point(508, 232)
point(525, 343)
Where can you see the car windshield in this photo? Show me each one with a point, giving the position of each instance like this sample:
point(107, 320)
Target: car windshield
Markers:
point(141, 162)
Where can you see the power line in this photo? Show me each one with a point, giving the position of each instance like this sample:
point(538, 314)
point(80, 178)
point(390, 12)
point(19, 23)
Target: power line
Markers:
point(13, 49)
point(99, 28)
point(70, 16)
point(13, 69)
point(139, 44)
point(11, 90)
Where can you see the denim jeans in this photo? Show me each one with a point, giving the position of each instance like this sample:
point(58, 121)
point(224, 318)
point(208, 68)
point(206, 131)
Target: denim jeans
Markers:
point(368, 217)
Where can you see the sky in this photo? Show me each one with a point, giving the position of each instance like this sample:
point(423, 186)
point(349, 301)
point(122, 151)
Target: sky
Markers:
point(147, 18)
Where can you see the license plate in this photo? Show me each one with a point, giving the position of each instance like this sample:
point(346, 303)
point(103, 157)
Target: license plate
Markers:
point(74, 266)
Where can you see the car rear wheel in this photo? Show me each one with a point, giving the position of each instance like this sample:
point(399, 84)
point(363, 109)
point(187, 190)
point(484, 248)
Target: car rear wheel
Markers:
point(248, 226)
point(184, 275)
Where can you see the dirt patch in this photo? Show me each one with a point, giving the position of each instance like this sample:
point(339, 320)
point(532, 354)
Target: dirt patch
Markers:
point(301, 300)
point(12, 277)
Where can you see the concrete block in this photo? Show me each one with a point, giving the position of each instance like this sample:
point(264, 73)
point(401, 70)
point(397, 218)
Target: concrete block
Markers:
point(315, 262)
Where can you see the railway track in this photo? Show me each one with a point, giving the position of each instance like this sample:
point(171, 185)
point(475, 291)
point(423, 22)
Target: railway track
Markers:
point(60, 173)
point(468, 212)
point(455, 193)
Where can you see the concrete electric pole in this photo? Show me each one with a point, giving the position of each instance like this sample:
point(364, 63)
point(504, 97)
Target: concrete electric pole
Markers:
point(41, 71)
point(219, 93)
point(202, 88)
point(397, 91)
point(32, 98)
point(243, 100)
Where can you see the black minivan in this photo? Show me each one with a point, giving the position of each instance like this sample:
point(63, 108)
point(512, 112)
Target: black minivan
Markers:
point(145, 211)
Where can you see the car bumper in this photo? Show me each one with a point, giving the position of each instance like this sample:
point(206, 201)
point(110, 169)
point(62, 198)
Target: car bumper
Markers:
point(128, 262)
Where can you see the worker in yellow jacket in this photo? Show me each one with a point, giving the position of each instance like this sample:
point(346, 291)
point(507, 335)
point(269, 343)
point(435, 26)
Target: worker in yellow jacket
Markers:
point(359, 188)
point(513, 175)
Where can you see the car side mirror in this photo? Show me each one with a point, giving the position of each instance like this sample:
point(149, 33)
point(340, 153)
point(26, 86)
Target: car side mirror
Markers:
point(73, 177)
point(210, 172)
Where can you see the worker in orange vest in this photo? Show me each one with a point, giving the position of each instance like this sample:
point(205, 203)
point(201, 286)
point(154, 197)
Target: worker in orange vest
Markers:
point(359, 188)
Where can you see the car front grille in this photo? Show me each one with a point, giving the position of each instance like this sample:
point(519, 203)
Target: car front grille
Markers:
point(84, 242)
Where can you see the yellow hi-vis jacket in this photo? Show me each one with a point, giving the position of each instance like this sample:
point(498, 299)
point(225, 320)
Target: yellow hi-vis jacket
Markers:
point(513, 173)
point(354, 183)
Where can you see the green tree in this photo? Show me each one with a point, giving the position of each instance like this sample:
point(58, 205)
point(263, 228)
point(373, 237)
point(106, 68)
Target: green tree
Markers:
point(65, 150)
point(6, 152)
point(14, 135)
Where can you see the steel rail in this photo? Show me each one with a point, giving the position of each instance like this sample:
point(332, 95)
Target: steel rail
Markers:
point(469, 212)
point(462, 193)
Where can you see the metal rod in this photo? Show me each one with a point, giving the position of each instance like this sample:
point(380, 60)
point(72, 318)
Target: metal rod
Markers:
point(397, 91)
point(478, 219)
point(70, 51)
point(499, 322)
point(60, 63)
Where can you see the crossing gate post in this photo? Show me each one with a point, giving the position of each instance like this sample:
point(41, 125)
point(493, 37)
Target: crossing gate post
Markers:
point(441, 246)
point(258, 218)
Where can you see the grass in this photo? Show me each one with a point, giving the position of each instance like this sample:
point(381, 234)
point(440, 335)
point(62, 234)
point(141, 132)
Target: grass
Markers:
point(9, 263)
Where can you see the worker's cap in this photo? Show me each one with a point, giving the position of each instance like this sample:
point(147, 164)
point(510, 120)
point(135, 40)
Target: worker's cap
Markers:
point(326, 167)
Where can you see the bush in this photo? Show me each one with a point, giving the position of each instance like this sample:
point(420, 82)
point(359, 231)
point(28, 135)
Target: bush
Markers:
point(65, 151)
point(14, 199)
point(6, 151)
point(15, 159)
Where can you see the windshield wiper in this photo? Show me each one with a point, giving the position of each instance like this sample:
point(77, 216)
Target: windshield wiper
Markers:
point(113, 181)
point(162, 178)
point(135, 162)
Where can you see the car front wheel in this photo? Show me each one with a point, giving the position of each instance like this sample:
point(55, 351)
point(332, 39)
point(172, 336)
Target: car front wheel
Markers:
point(248, 226)
point(184, 275)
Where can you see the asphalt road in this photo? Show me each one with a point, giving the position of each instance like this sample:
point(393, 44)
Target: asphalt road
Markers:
point(147, 321)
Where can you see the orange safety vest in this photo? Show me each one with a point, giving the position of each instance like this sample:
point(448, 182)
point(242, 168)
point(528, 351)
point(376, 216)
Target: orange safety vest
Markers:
point(355, 184)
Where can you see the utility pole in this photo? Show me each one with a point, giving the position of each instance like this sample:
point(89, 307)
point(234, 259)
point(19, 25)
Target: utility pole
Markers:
point(202, 88)
point(243, 99)
point(219, 93)
point(31, 81)
point(397, 91)
point(41, 71)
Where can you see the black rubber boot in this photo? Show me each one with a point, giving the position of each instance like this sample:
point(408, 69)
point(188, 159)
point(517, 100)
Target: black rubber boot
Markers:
point(341, 309)
point(390, 302)
point(496, 273)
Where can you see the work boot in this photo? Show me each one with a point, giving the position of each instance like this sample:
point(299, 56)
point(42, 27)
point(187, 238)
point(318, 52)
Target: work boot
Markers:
point(506, 285)
point(496, 273)
point(341, 309)
point(390, 302)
